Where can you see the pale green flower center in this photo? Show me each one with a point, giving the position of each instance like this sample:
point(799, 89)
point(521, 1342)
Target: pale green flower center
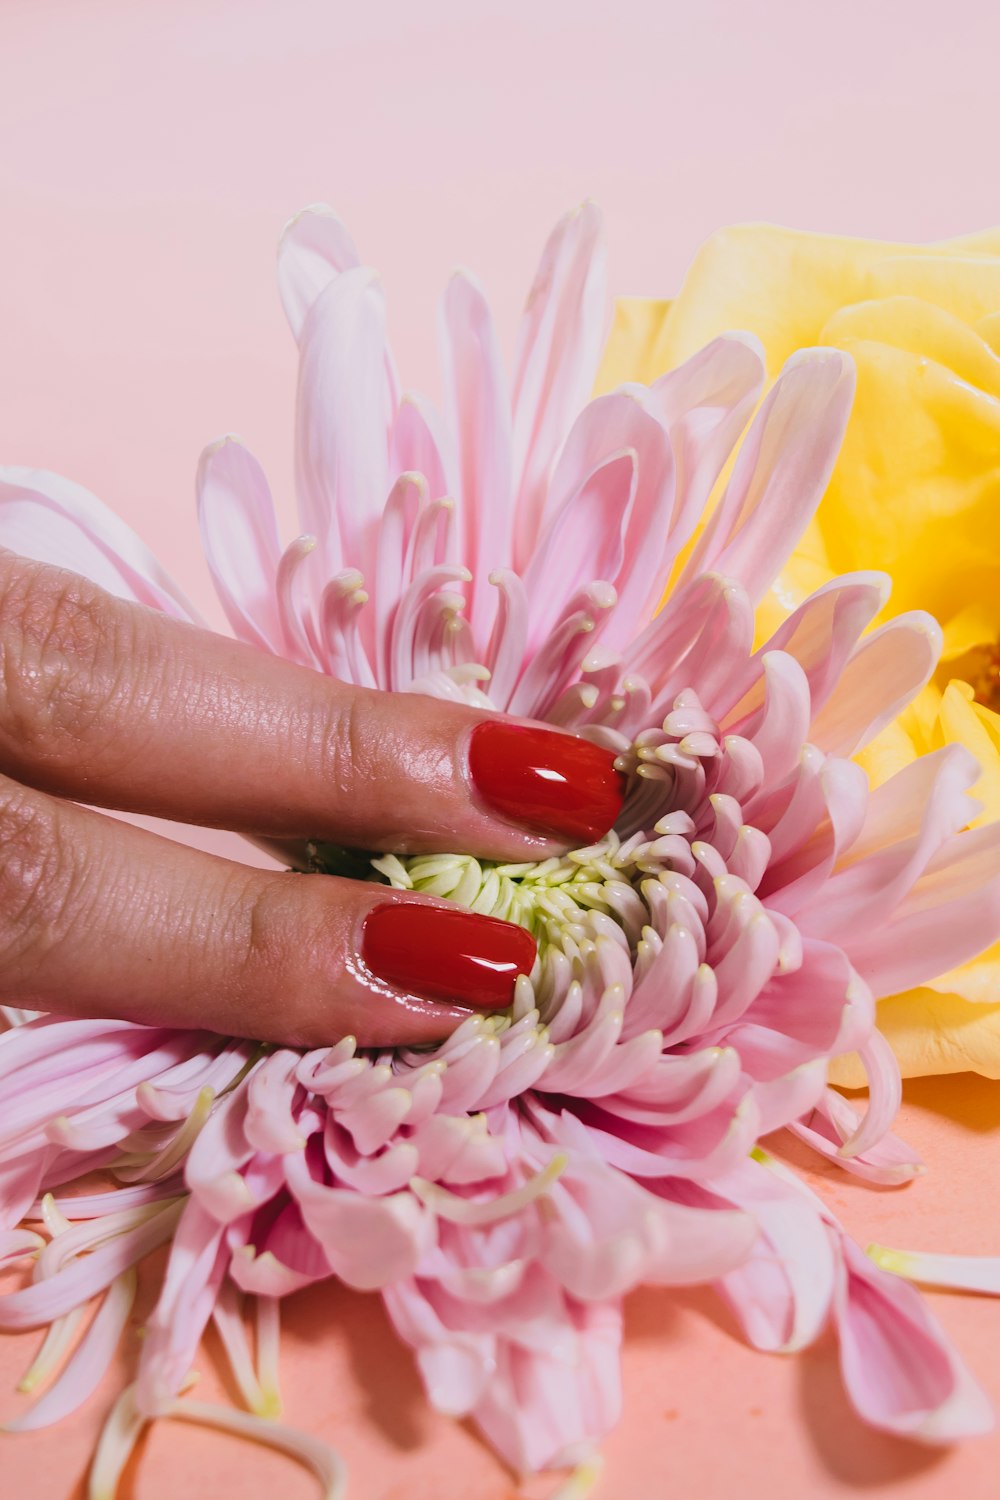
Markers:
point(555, 899)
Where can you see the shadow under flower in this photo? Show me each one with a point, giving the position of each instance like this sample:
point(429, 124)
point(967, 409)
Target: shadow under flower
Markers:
point(849, 1449)
point(386, 1374)
point(966, 1099)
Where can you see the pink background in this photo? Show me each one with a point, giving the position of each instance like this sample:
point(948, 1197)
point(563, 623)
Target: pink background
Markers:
point(149, 154)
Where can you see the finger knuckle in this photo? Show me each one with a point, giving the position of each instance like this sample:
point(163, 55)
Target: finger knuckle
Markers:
point(37, 875)
point(269, 944)
point(360, 750)
point(62, 649)
point(287, 958)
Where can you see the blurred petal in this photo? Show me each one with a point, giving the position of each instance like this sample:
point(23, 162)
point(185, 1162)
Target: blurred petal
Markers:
point(52, 520)
point(315, 247)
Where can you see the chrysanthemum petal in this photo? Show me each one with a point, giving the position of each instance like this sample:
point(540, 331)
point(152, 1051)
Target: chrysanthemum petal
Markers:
point(705, 404)
point(239, 535)
point(343, 419)
point(46, 517)
point(887, 670)
point(315, 246)
point(480, 412)
point(558, 350)
point(781, 472)
point(900, 1371)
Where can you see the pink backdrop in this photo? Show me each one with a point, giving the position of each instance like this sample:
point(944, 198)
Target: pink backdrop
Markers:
point(148, 157)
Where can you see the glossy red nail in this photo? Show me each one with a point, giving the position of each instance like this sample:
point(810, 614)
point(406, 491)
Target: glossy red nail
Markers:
point(548, 782)
point(442, 953)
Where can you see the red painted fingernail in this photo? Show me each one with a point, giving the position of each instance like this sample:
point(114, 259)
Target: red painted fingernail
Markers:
point(549, 782)
point(442, 953)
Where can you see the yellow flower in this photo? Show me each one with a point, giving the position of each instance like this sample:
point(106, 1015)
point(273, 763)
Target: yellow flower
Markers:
point(916, 492)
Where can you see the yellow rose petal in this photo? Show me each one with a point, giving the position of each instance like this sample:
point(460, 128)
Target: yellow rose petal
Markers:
point(916, 490)
point(965, 722)
point(631, 350)
point(967, 285)
point(932, 1033)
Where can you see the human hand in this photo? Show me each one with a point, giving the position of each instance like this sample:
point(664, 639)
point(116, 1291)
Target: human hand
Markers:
point(108, 703)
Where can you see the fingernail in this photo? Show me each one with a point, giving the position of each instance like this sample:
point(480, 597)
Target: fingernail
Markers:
point(549, 782)
point(445, 954)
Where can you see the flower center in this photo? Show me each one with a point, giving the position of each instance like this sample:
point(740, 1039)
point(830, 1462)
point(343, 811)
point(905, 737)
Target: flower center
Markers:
point(657, 932)
point(980, 668)
point(662, 898)
point(555, 899)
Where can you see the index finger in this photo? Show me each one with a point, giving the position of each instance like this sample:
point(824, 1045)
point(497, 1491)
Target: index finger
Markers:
point(110, 703)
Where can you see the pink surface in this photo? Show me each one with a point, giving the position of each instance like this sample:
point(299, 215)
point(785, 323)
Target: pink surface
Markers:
point(149, 156)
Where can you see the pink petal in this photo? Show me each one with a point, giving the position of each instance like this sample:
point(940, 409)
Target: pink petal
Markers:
point(218, 1162)
point(16, 1244)
point(239, 535)
point(277, 1259)
point(195, 1268)
point(455, 1362)
point(779, 728)
point(420, 446)
point(802, 1015)
point(702, 637)
point(781, 472)
point(900, 1371)
point(623, 422)
point(52, 520)
point(584, 542)
point(344, 413)
point(885, 1095)
point(478, 406)
point(369, 1242)
point(784, 1293)
point(823, 632)
point(951, 914)
point(790, 884)
point(315, 247)
point(907, 822)
point(782, 1100)
point(88, 1364)
point(47, 1299)
point(705, 404)
point(833, 1121)
point(544, 1410)
point(959, 1273)
point(606, 1235)
point(887, 670)
point(558, 350)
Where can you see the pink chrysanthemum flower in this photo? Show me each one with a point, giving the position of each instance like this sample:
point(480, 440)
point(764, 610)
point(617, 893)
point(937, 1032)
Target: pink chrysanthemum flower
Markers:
point(696, 969)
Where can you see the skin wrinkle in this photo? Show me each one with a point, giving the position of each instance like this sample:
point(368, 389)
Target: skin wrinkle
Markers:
point(43, 882)
point(69, 669)
point(81, 651)
point(23, 861)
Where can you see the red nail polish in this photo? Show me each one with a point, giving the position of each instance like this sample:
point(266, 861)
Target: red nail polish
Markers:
point(549, 782)
point(443, 953)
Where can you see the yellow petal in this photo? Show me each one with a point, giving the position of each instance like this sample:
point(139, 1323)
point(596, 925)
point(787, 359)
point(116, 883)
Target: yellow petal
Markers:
point(965, 722)
point(890, 752)
point(916, 489)
point(781, 284)
point(977, 982)
point(966, 285)
point(988, 329)
point(925, 329)
point(932, 1033)
point(982, 242)
point(630, 352)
